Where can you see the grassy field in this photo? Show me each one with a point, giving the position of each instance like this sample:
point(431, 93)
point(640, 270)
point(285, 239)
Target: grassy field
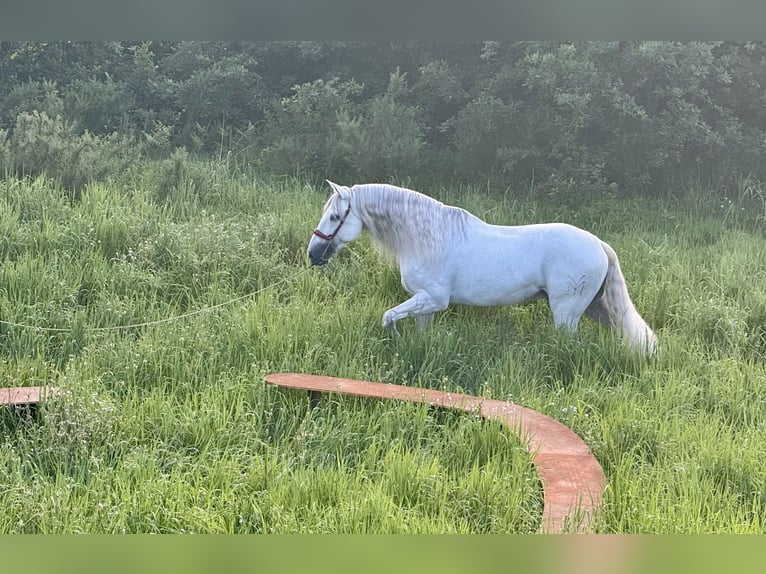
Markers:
point(168, 426)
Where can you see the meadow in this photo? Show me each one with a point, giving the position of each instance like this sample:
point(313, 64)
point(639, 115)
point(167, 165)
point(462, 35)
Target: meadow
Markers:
point(157, 303)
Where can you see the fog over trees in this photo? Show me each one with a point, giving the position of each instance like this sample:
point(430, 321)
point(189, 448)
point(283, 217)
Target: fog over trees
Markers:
point(612, 117)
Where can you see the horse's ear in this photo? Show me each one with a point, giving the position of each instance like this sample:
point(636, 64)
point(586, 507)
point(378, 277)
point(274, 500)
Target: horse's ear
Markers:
point(341, 190)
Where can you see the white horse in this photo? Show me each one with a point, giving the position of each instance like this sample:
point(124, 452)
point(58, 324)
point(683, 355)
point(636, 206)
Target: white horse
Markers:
point(447, 255)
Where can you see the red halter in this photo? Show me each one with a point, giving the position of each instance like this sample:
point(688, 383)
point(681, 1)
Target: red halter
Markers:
point(332, 235)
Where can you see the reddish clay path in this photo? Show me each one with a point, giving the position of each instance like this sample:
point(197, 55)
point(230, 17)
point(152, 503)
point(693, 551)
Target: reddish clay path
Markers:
point(573, 481)
point(24, 396)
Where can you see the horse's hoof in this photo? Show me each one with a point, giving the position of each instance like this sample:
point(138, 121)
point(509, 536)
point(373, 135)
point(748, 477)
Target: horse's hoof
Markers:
point(392, 330)
point(390, 325)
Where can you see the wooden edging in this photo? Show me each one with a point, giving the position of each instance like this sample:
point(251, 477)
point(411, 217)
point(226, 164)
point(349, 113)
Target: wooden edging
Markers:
point(572, 479)
point(25, 396)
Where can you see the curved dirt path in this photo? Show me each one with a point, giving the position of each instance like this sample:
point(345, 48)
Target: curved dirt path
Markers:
point(573, 481)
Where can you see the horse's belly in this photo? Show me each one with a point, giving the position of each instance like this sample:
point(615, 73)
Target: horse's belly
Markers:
point(494, 289)
point(492, 300)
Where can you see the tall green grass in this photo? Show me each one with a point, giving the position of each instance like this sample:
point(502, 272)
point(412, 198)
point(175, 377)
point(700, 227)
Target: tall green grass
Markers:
point(169, 427)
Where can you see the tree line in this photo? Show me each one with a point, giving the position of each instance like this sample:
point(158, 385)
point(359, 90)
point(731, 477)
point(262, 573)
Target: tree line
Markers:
point(623, 117)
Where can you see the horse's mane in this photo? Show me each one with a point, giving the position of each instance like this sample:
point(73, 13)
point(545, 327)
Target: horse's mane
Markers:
point(403, 221)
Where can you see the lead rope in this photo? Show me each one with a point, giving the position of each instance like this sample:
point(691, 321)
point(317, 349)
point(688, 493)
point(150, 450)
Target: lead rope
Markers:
point(160, 321)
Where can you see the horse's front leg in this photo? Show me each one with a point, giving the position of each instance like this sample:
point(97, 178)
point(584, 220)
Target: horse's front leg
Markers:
point(421, 304)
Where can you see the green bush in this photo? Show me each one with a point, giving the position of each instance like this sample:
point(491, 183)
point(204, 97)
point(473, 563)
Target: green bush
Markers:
point(320, 130)
point(479, 132)
point(98, 107)
point(40, 144)
point(303, 132)
point(42, 96)
point(386, 141)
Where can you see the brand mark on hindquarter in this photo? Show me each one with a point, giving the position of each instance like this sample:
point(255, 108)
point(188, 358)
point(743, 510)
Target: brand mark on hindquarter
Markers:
point(576, 286)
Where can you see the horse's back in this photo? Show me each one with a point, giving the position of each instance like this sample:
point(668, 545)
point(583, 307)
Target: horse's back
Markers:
point(497, 265)
point(544, 242)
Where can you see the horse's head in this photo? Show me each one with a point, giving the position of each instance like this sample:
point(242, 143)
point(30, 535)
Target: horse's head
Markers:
point(339, 225)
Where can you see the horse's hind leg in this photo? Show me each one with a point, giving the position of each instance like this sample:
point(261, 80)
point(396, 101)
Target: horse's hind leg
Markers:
point(568, 306)
point(598, 309)
point(599, 312)
point(422, 322)
point(565, 315)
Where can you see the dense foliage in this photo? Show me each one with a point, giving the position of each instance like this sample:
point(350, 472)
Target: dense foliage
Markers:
point(619, 117)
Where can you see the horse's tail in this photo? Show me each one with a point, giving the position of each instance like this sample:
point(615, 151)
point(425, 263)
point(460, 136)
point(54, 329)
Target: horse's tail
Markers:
point(613, 307)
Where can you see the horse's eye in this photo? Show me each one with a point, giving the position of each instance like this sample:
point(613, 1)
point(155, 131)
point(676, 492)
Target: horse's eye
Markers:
point(334, 217)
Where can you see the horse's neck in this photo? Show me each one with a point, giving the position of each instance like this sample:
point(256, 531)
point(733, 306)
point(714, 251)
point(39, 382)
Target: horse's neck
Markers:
point(413, 227)
point(394, 221)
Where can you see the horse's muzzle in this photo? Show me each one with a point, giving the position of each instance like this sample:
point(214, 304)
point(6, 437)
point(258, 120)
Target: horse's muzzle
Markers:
point(318, 261)
point(321, 254)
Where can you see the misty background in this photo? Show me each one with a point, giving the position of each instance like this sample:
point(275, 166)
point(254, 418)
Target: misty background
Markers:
point(617, 118)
